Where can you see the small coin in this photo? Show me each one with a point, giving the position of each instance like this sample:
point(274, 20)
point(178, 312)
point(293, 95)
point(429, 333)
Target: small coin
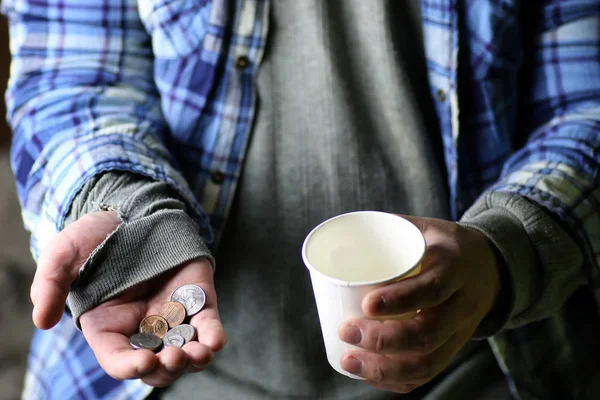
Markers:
point(174, 312)
point(154, 324)
point(186, 331)
point(191, 296)
point(174, 340)
point(145, 341)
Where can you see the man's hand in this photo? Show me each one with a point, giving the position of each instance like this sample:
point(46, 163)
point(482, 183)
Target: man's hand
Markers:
point(108, 326)
point(457, 286)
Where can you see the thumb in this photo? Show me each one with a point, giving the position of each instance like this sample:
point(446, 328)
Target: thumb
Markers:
point(59, 264)
point(429, 227)
point(422, 223)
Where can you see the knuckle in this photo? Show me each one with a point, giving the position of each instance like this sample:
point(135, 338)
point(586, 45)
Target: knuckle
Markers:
point(452, 251)
point(59, 270)
point(58, 263)
point(379, 373)
point(62, 251)
point(436, 287)
point(385, 336)
point(381, 342)
point(60, 281)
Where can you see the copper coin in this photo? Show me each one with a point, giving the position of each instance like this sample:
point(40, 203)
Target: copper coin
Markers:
point(154, 324)
point(173, 312)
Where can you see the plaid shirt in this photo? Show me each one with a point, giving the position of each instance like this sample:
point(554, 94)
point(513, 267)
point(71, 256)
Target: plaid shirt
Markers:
point(166, 89)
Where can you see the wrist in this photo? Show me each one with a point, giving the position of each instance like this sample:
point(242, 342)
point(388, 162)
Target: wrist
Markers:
point(501, 300)
point(498, 281)
point(496, 231)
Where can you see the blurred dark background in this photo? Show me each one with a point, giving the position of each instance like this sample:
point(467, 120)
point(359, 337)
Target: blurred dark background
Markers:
point(16, 264)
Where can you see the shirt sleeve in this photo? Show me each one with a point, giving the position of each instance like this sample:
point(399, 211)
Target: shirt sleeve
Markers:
point(544, 211)
point(81, 101)
point(155, 235)
point(558, 166)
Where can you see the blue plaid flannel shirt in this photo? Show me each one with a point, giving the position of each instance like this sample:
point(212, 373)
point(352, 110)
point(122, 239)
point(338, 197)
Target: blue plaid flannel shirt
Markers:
point(166, 88)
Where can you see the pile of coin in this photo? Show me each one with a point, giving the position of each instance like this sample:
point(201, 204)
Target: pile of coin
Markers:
point(167, 328)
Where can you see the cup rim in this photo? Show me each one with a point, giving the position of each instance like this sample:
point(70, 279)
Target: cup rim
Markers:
point(341, 282)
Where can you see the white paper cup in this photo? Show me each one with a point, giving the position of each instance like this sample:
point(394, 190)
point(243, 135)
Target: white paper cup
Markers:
point(347, 257)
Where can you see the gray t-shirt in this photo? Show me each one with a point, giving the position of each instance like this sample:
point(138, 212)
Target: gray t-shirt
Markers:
point(344, 123)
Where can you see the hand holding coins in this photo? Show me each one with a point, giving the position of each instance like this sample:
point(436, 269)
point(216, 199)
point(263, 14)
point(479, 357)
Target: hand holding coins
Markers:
point(167, 328)
point(107, 326)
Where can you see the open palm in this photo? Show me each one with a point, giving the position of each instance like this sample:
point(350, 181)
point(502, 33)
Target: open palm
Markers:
point(108, 326)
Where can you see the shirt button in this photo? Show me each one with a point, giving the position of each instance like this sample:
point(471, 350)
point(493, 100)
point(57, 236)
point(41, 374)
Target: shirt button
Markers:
point(242, 62)
point(441, 95)
point(217, 177)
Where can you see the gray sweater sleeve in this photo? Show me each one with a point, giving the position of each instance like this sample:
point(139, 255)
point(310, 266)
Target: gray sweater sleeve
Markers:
point(154, 236)
point(544, 264)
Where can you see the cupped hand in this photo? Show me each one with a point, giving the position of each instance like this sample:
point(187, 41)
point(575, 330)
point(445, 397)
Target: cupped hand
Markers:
point(107, 327)
point(456, 288)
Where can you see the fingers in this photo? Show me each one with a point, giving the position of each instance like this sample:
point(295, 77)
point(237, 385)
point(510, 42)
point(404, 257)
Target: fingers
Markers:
point(59, 265)
point(400, 370)
point(171, 365)
point(174, 362)
point(116, 356)
point(423, 334)
point(427, 289)
point(208, 325)
point(108, 326)
point(438, 280)
point(207, 322)
point(210, 332)
point(199, 355)
point(52, 281)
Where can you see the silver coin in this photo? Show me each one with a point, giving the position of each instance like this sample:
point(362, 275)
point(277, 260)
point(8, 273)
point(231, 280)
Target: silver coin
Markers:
point(186, 331)
point(191, 296)
point(173, 340)
point(145, 341)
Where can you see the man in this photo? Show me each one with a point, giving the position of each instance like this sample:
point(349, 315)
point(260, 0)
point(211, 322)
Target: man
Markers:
point(132, 123)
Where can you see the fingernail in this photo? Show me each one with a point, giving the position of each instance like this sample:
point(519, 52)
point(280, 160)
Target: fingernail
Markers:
point(351, 334)
point(352, 365)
